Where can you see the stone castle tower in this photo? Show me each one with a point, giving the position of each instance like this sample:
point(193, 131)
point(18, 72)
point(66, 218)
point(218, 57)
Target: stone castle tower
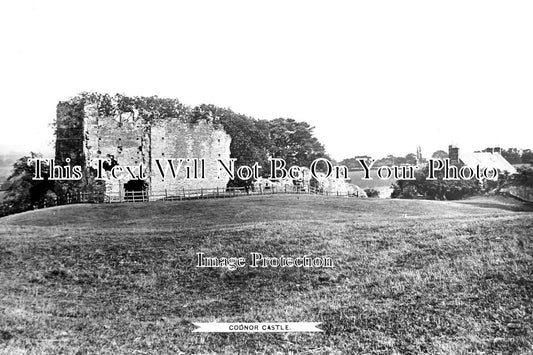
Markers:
point(84, 133)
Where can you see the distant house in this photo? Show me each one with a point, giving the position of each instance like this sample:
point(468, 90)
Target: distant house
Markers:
point(486, 159)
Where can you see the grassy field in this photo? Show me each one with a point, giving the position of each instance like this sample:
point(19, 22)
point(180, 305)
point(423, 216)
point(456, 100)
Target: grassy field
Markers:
point(408, 277)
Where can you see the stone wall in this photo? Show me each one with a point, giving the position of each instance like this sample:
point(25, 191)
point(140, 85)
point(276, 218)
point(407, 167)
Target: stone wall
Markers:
point(178, 139)
point(131, 141)
point(126, 140)
point(69, 133)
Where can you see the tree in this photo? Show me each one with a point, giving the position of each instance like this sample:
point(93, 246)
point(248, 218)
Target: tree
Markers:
point(254, 140)
point(294, 142)
point(523, 177)
point(353, 163)
point(250, 141)
point(22, 191)
point(438, 189)
point(512, 155)
point(410, 159)
point(527, 157)
point(439, 154)
point(387, 161)
point(350, 163)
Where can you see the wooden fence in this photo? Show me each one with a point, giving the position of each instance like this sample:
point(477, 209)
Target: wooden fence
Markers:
point(179, 195)
point(204, 193)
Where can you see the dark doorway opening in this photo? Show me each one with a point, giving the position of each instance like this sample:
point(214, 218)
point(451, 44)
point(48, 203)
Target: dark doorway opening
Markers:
point(136, 191)
point(135, 185)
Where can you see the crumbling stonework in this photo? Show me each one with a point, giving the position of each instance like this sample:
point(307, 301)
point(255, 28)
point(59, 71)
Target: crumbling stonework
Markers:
point(187, 140)
point(128, 140)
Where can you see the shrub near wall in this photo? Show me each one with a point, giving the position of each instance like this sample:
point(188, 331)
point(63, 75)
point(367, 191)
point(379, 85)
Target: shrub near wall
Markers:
point(438, 189)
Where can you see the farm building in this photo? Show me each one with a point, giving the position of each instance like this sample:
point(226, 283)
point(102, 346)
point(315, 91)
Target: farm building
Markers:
point(491, 159)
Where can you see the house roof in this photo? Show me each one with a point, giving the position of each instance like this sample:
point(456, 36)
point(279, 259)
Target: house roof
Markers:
point(487, 160)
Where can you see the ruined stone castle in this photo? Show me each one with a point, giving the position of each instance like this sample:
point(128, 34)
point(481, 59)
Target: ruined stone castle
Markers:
point(84, 132)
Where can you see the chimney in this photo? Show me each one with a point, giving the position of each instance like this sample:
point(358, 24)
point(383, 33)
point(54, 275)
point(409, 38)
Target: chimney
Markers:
point(453, 154)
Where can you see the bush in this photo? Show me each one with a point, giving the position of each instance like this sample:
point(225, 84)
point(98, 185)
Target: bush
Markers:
point(523, 177)
point(370, 192)
point(438, 189)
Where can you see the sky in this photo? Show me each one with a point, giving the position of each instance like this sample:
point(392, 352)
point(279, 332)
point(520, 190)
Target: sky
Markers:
point(373, 77)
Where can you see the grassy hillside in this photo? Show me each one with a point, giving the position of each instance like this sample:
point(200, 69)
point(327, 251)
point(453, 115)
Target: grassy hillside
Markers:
point(408, 276)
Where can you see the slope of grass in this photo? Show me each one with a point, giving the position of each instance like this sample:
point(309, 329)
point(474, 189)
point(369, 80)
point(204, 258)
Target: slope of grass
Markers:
point(408, 277)
point(251, 209)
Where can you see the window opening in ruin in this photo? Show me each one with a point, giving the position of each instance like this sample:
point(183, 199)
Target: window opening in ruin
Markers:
point(110, 162)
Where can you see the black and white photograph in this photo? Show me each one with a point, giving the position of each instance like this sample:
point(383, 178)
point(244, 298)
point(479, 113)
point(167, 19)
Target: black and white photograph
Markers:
point(266, 177)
